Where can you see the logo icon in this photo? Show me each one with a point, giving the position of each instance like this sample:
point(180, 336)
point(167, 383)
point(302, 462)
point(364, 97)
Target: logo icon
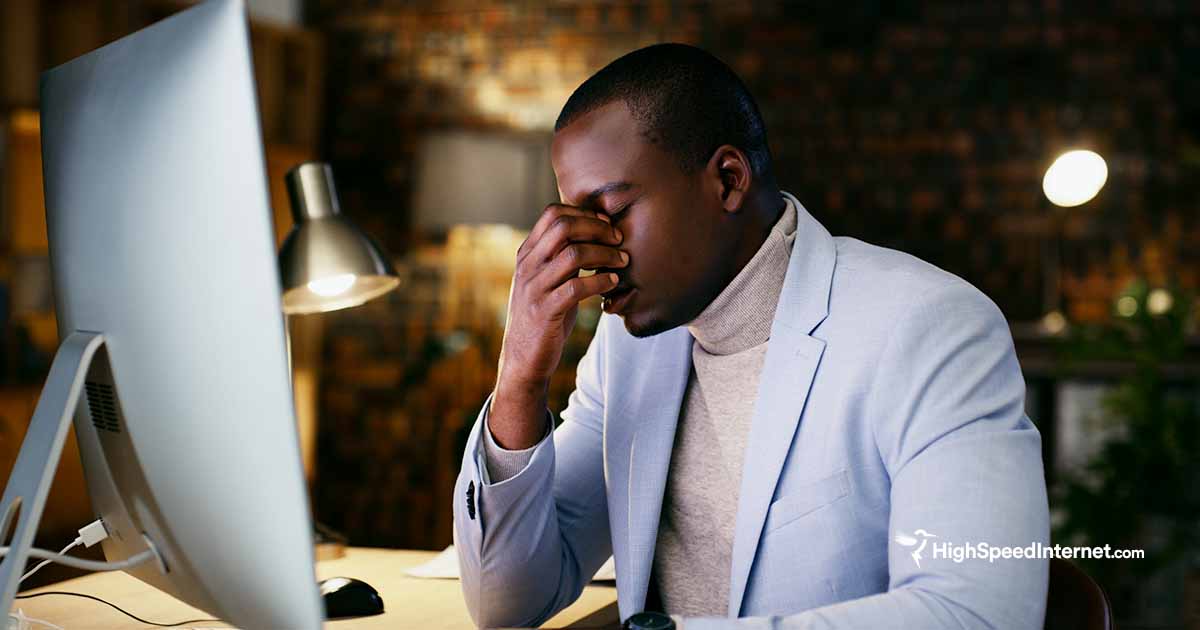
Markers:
point(919, 539)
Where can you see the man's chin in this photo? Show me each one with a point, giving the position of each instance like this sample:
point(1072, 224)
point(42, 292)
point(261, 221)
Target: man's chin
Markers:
point(641, 325)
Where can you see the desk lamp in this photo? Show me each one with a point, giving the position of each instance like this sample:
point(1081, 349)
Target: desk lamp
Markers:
point(327, 263)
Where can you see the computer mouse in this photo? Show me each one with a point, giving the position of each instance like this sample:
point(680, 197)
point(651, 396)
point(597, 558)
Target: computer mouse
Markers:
point(348, 597)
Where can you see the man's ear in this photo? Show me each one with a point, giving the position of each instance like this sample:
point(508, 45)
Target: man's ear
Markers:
point(729, 169)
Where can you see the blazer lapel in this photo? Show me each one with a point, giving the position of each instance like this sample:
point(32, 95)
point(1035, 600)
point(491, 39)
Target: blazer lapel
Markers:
point(787, 374)
point(655, 409)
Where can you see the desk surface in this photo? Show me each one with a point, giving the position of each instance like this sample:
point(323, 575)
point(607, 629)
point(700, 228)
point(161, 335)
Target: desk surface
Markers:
point(410, 602)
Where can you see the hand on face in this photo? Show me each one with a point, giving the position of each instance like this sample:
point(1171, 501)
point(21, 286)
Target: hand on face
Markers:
point(547, 288)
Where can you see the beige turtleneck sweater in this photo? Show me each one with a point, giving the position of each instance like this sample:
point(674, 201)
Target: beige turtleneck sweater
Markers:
point(692, 558)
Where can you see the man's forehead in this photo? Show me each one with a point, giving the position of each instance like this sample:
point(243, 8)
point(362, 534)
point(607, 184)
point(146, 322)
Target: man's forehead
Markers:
point(596, 152)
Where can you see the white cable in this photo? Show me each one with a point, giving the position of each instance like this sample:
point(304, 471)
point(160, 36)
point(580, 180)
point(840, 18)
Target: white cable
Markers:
point(24, 621)
point(45, 562)
point(93, 533)
point(89, 535)
point(88, 565)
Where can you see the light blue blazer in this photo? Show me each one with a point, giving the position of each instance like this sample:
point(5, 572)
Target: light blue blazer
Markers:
point(891, 408)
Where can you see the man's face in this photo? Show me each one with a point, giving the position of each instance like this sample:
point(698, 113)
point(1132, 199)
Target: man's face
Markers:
point(675, 229)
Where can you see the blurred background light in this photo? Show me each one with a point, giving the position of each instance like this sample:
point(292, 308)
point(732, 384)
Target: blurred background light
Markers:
point(1127, 306)
point(1159, 301)
point(1054, 322)
point(1075, 178)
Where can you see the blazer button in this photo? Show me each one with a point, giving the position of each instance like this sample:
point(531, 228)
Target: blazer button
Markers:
point(471, 500)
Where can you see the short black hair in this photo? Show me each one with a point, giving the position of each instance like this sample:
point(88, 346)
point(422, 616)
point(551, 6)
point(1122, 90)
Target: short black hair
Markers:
point(686, 100)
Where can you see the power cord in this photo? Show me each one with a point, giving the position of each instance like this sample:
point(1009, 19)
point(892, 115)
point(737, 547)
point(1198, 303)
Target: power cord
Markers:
point(45, 562)
point(93, 533)
point(119, 609)
point(88, 565)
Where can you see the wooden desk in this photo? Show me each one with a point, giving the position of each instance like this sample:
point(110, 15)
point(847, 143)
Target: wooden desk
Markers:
point(410, 602)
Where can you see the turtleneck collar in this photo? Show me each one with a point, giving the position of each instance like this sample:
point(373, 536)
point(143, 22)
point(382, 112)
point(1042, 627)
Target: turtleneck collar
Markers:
point(741, 316)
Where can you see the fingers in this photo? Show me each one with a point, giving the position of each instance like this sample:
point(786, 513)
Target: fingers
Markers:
point(567, 229)
point(560, 225)
point(549, 214)
point(579, 256)
point(576, 290)
point(554, 210)
point(566, 240)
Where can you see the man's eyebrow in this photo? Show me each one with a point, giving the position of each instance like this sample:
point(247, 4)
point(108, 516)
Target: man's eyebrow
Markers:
point(610, 187)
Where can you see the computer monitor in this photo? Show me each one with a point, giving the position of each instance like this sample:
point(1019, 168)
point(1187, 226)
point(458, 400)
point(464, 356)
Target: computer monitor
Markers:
point(168, 300)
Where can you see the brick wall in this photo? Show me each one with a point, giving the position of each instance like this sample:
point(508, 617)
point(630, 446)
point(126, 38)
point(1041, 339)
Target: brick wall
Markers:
point(922, 126)
point(926, 129)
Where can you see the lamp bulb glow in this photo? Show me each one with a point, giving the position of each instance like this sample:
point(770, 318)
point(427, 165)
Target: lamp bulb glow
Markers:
point(1075, 178)
point(333, 285)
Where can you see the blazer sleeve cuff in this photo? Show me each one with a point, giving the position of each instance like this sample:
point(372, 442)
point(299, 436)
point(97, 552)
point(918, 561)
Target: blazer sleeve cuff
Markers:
point(502, 464)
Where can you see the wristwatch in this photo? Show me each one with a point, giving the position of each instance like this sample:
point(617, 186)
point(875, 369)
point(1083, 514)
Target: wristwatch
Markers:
point(649, 621)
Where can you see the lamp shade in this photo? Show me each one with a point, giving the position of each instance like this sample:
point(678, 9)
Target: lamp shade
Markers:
point(326, 262)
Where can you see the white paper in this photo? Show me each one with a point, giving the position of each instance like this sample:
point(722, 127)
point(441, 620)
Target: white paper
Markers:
point(607, 572)
point(445, 566)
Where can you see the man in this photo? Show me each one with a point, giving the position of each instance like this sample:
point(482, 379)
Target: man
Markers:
point(772, 427)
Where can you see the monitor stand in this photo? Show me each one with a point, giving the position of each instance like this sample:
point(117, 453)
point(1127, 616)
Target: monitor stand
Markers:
point(29, 483)
point(81, 357)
